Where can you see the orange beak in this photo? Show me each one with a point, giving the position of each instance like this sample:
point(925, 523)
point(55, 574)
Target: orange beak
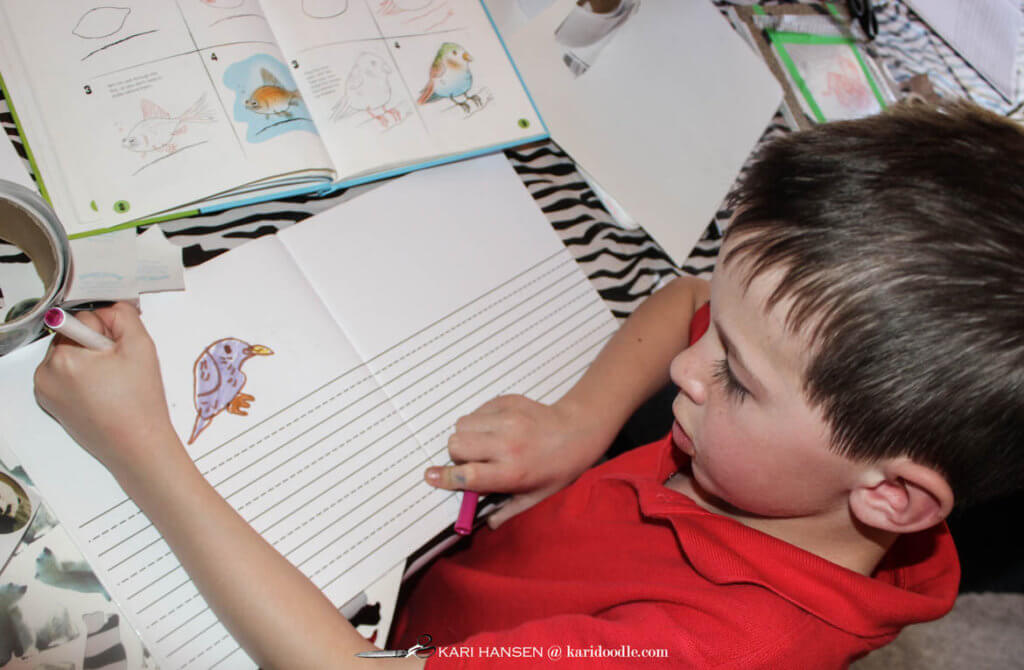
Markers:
point(466, 57)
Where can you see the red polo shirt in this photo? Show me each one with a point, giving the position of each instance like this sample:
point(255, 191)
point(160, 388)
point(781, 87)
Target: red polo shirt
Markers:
point(618, 565)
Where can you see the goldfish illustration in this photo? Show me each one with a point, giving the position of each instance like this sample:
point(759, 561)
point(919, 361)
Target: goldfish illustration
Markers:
point(272, 97)
point(158, 130)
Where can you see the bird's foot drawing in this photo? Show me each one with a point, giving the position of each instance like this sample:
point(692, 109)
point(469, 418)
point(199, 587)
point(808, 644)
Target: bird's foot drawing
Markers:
point(476, 99)
point(394, 113)
point(383, 120)
point(240, 403)
point(464, 105)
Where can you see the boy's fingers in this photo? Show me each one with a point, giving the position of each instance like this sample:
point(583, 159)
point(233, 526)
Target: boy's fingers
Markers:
point(121, 319)
point(476, 476)
point(471, 446)
point(92, 320)
point(452, 477)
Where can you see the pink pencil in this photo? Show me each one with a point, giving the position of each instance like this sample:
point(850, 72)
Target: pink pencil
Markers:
point(61, 322)
point(467, 513)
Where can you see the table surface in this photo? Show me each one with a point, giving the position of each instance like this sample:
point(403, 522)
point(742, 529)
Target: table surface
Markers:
point(625, 266)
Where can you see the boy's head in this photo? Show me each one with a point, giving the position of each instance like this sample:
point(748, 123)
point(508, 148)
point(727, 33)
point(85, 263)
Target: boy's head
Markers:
point(894, 247)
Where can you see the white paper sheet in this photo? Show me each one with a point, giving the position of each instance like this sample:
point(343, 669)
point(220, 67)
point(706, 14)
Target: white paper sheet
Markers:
point(984, 32)
point(450, 287)
point(664, 119)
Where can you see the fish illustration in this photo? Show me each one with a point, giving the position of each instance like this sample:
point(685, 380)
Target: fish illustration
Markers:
point(158, 130)
point(272, 98)
point(100, 22)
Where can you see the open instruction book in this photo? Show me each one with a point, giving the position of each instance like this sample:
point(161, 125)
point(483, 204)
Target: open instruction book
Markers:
point(363, 333)
point(144, 109)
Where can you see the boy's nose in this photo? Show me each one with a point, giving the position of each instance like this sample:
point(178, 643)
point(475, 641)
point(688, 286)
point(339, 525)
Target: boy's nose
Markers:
point(685, 372)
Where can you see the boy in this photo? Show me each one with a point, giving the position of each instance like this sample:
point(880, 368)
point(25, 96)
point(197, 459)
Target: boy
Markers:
point(859, 369)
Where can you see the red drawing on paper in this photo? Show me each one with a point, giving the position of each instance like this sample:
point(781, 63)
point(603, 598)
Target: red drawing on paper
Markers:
point(848, 86)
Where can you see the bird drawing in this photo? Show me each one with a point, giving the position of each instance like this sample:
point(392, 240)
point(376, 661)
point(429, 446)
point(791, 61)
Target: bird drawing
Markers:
point(367, 89)
point(396, 6)
point(450, 77)
point(218, 380)
point(272, 97)
point(324, 9)
point(158, 130)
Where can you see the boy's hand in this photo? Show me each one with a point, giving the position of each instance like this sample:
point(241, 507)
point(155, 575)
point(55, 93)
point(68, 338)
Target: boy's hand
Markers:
point(111, 402)
point(516, 445)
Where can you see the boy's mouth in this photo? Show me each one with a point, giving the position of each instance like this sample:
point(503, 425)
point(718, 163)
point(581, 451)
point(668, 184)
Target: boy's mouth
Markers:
point(681, 439)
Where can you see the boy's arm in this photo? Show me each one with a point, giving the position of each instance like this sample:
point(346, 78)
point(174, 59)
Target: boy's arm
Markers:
point(513, 444)
point(113, 404)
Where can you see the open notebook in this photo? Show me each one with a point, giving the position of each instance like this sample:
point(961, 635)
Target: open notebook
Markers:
point(155, 108)
point(381, 322)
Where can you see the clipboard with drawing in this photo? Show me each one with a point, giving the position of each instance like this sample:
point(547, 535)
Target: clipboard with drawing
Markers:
point(824, 70)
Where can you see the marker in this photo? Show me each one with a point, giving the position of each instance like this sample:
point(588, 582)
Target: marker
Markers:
point(61, 322)
point(467, 513)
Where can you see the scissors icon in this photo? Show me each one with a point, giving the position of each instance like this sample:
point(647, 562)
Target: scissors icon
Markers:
point(422, 649)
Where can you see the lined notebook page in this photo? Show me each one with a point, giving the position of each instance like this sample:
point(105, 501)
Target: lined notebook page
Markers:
point(388, 320)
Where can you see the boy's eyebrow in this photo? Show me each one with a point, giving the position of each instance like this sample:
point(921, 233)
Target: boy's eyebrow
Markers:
point(732, 351)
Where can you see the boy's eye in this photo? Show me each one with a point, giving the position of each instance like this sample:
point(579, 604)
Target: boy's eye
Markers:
point(724, 376)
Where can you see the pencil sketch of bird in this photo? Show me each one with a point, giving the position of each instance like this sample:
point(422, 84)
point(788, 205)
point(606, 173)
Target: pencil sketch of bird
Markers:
point(218, 380)
point(158, 129)
point(324, 9)
point(367, 89)
point(272, 97)
point(396, 6)
point(450, 77)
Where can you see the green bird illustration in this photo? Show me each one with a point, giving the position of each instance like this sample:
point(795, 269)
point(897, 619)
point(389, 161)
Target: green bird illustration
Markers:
point(450, 76)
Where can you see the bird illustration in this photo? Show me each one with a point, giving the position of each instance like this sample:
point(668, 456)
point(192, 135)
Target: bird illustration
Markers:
point(449, 77)
point(396, 6)
point(158, 129)
point(324, 9)
point(272, 97)
point(367, 89)
point(218, 380)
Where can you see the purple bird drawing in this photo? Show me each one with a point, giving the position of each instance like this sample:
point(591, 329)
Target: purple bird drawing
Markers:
point(219, 379)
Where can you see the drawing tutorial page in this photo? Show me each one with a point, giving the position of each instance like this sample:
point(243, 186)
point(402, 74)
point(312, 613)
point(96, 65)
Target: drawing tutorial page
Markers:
point(150, 105)
point(397, 82)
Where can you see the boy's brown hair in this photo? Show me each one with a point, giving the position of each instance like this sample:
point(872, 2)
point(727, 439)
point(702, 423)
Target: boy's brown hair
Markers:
point(901, 243)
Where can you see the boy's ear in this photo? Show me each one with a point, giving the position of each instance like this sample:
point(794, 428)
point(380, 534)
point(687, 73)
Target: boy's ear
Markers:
point(901, 496)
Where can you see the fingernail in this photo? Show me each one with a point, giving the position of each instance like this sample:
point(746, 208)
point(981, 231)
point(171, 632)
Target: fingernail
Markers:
point(433, 476)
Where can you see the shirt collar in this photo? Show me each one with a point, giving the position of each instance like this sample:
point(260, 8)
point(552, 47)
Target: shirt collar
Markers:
point(916, 581)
